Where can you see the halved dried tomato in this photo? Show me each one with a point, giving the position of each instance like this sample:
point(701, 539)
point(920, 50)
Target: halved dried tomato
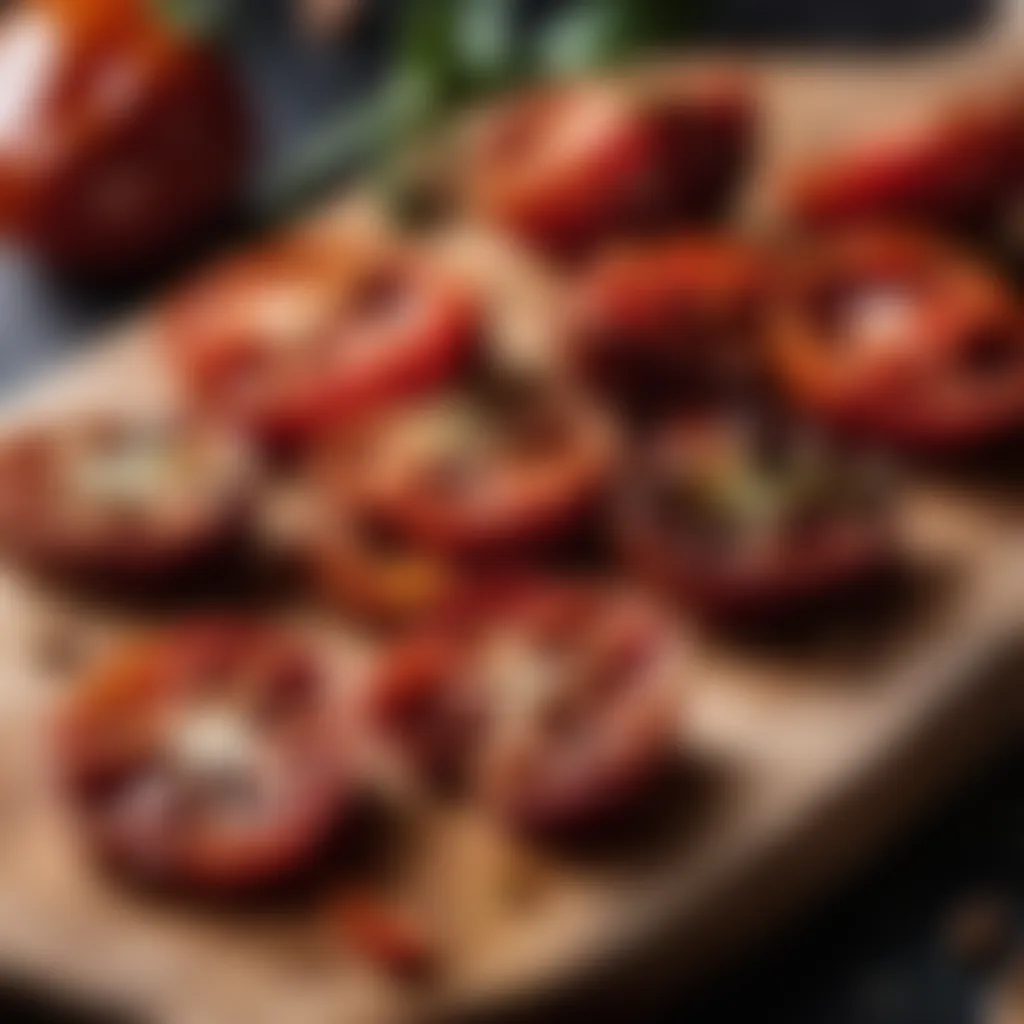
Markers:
point(670, 317)
point(746, 522)
point(310, 332)
point(891, 335)
point(561, 702)
point(961, 171)
point(487, 473)
point(570, 166)
point(206, 758)
point(123, 497)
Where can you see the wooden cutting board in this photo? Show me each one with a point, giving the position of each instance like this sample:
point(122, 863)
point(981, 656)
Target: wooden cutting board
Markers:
point(802, 758)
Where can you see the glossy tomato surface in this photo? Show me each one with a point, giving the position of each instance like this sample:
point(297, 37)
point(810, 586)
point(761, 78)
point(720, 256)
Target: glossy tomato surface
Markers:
point(309, 332)
point(204, 758)
point(670, 316)
point(960, 171)
point(123, 497)
point(892, 335)
point(566, 167)
point(488, 473)
point(120, 139)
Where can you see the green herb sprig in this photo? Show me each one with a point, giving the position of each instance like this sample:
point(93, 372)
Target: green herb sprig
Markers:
point(453, 52)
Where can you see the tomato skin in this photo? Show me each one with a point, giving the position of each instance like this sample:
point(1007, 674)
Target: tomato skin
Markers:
point(585, 756)
point(527, 479)
point(50, 527)
point(958, 173)
point(457, 712)
point(112, 736)
point(709, 123)
point(791, 570)
point(129, 140)
point(359, 564)
point(290, 341)
point(679, 314)
point(561, 199)
point(949, 380)
point(787, 586)
point(567, 168)
point(432, 719)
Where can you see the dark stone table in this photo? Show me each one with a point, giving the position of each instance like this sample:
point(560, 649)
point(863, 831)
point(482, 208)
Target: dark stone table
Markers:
point(871, 955)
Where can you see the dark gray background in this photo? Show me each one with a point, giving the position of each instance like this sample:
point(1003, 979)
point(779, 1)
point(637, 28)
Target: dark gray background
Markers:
point(872, 955)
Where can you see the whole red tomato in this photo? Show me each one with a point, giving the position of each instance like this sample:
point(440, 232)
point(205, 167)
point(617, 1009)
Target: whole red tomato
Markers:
point(120, 138)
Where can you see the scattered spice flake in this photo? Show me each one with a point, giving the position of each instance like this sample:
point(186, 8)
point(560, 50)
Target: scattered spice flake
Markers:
point(388, 936)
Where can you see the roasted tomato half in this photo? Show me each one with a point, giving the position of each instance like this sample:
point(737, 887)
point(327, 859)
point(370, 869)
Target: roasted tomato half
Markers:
point(120, 139)
point(487, 473)
point(960, 171)
point(563, 703)
point(669, 316)
point(890, 335)
point(745, 522)
point(204, 758)
point(313, 331)
point(362, 564)
point(123, 497)
point(568, 166)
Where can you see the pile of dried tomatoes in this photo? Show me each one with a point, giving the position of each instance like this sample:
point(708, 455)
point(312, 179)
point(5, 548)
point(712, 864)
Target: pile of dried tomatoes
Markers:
point(520, 541)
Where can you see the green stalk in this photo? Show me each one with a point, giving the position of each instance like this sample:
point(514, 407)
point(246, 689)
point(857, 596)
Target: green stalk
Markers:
point(362, 133)
point(203, 19)
point(450, 52)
